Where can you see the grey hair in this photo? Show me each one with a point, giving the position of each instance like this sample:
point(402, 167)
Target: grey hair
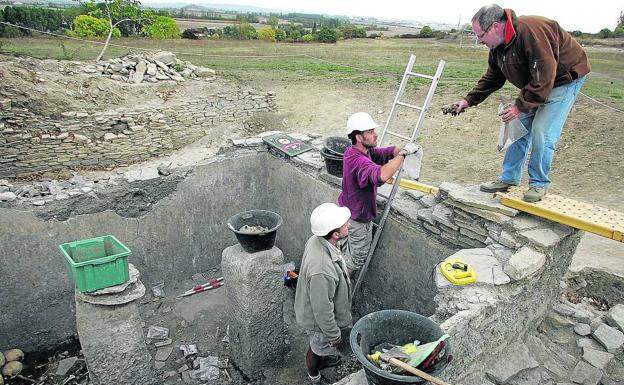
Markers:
point(488, 14)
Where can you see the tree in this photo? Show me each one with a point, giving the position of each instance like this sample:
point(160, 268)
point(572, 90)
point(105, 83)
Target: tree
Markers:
point(273, 21)
point(426, 31)
point(267, 34)
point(295, 35)
point(327, 35)
point(620, 22)
point(163, 27)
point(605, 33)
point(280, 35)
point(90, 26)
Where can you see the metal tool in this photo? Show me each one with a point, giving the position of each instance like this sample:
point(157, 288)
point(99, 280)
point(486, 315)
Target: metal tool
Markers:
point(422, 110)
point(392, 358)
point(212, 284)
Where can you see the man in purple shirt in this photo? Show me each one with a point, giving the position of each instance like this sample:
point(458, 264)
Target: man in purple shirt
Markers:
point(365, 167)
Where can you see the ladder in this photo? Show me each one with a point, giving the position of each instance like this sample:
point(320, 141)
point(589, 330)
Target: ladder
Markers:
point(387, 132)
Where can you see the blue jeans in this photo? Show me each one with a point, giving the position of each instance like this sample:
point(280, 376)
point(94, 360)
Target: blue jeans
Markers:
point(544, 124)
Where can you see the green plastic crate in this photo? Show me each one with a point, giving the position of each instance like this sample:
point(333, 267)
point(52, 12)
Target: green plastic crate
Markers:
point(96, 263)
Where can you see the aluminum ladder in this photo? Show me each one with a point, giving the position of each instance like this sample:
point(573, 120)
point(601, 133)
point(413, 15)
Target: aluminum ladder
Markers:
point(410, 139)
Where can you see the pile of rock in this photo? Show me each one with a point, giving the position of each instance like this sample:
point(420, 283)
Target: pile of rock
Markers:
point(150, 67)
point(40, 193)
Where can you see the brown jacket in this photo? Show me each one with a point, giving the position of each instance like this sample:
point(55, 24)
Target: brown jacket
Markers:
point(538, 55)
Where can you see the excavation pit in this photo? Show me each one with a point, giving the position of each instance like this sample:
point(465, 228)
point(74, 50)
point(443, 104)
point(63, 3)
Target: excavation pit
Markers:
point(176, 227)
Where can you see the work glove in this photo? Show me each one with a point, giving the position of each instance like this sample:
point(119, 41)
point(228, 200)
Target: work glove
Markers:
point(410, 148)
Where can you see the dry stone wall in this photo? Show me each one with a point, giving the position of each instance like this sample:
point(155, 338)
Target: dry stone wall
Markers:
point(32, 143)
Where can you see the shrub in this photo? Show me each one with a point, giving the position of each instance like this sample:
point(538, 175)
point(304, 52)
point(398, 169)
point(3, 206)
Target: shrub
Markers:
point(295, 35)
point(426, 31)
point(267, 34)
point(192, 33)
point(308, 38)
point(215, 36)
point(163, 27)
point(280, 35)
point(576, 33)
point(327, 35)
point(90, 26)
point(11, 31)
point(604, 33)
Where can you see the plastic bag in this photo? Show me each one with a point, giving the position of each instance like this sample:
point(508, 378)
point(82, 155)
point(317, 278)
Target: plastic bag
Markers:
point(509, 132)
point(413, 163)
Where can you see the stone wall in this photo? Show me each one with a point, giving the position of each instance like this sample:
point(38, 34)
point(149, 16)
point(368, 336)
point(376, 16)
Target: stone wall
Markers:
point(32, 143)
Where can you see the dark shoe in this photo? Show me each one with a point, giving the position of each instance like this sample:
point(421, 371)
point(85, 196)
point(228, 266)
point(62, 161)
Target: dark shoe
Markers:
point(329, 361)
point(496, 186)
point(534, 194)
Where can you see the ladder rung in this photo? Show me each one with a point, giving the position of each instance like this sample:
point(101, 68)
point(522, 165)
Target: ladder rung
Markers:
point(410, 106)
point(399, 135)
point(375, 224)
point(421, 75)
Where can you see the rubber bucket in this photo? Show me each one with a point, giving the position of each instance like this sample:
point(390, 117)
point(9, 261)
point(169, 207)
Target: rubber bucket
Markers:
point(252, 243)
point(333, 163)
point(397, 327)
point(336, 145)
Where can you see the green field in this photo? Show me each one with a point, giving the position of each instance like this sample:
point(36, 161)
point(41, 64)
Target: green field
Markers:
point(357, 61)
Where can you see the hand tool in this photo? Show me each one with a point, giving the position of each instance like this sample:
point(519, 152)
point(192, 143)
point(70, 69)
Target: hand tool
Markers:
point(390, 358)
point(212, 284)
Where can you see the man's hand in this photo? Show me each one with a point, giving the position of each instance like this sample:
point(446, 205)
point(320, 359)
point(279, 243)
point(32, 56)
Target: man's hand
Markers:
point(509, 113)
point(336, 344)
point(455, 108)
point(410, 148)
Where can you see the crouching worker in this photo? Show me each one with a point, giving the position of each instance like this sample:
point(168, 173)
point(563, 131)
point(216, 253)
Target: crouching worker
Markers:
point(323, 296)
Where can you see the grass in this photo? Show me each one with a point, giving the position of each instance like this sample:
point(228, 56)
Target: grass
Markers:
point(359, 61)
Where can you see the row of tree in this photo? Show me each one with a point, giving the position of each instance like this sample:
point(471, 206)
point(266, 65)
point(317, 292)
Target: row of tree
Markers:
point(90, 20)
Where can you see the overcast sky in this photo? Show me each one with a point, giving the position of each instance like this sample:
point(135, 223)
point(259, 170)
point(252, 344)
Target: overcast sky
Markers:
point(587, 16)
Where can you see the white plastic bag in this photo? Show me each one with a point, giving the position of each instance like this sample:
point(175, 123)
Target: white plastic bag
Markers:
point(413, 162)
point(509, 132)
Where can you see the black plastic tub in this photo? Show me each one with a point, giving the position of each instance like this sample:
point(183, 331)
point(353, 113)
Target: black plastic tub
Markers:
point(253, 243)
point(336, 145)
point(397, 327)
point(333, 163)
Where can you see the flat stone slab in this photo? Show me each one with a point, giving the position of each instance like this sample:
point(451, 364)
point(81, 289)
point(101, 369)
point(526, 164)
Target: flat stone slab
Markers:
point(615, 317)
point(162, 354)
point(586, 374)
point(357, 378)
point(550, 355)
point(487, 268)
point(517, 359)
point(597, 358)
point(473, 197)
point(133, 292)
point(311, 158)
point(65, 365)
point(543, 237)
point(524, 263)
point(582, 329)
point(611, 338)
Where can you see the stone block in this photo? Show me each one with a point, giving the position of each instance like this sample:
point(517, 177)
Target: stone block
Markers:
point(615, 317)
point(485, 214)
point(586, 374)
point(597, 358)
point(442, 214)
point(542, 237)
point(426, 215)
point(255, 307)
point(518, 358)
point(582, 329)
point(550, 355)
point(524, 263)
point(414, 194)
point(611, 338)
point(471, 196)
point(473, 235)
point(428, 201)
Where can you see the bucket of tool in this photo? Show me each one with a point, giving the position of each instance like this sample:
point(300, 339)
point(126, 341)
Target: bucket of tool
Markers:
point(255, 230)
point(336, 145)
point(397, 327)
point(333, 163)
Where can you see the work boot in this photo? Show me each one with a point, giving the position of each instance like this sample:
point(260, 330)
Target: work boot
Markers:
point(496, 186)
point(534, 194)
point(329, 361)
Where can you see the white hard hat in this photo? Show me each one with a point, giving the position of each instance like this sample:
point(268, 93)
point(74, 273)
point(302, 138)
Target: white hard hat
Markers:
point(328, 217)
point(360, 121)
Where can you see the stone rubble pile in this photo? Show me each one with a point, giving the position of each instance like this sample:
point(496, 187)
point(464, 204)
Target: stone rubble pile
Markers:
point(150, 67)
point(42, 192)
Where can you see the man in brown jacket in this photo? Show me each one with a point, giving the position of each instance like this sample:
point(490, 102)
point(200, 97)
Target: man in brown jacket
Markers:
point(548, 66)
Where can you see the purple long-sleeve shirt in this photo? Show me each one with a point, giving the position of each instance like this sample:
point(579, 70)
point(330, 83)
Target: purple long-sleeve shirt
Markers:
point(360, 178)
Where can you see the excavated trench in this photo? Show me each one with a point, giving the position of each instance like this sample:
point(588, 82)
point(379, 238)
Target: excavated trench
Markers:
point(176, 228)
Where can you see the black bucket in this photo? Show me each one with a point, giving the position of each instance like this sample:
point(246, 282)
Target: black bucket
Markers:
point(397, 327)
point(252, 243)
point(333, 163)
point(336, 145)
